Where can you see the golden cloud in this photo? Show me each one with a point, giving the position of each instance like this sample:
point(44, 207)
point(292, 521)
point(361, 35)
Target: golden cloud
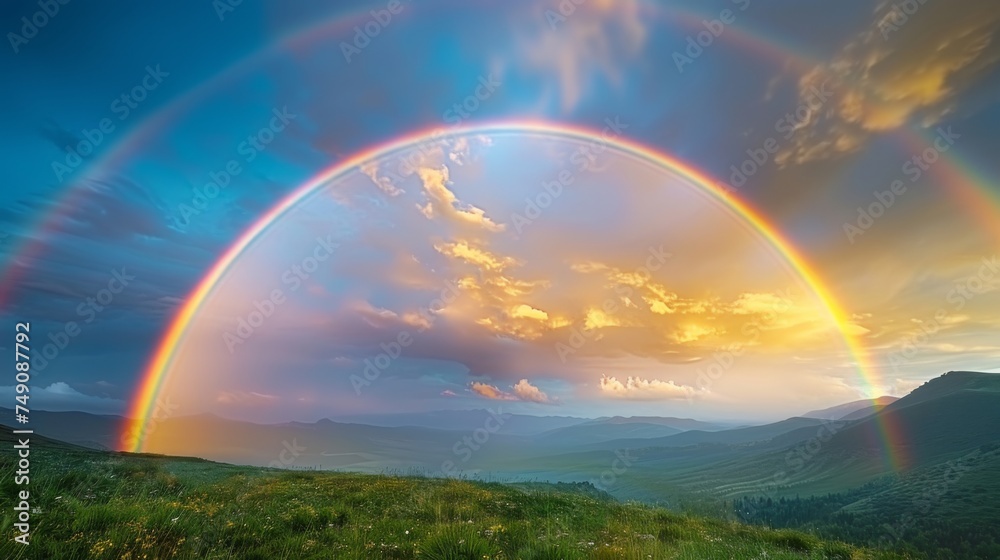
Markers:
point(444, 204)
point(905, 68)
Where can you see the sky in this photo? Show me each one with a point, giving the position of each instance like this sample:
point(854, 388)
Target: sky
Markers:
point(143, 141)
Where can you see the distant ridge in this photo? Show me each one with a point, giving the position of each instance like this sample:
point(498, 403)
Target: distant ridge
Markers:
point(854, 410)
point(681, 424)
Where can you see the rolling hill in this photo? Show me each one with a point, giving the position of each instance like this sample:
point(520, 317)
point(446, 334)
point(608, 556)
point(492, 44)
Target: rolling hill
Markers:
point(944, 419)
point(854, 410)
point(110, 506)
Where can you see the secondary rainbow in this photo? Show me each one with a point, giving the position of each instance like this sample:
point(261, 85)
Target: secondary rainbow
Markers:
point(155, 374)
point(976, 193)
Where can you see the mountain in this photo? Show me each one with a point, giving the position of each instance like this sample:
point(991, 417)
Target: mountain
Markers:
point(735, 436)
point(614, 428)
point(953, 382)
point(854, 410)
point(680, 424)
point(943, 420)
point(333, 445)
point(96, 431)
point(589, 433)
point(940, 420)
point(514, 424)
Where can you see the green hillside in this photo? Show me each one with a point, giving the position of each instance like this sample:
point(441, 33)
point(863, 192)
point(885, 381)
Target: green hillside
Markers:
point(947, 511)
point(102, 505)
point(942, 420)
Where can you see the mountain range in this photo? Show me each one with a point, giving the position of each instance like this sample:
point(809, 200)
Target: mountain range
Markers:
point(826, 450)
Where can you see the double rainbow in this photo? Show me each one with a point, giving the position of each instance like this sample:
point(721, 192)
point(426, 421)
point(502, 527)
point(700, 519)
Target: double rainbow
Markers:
point(975, 193)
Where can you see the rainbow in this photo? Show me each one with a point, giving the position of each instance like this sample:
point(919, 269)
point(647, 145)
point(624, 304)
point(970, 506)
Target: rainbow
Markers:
point(156, 372)
point(974, 192)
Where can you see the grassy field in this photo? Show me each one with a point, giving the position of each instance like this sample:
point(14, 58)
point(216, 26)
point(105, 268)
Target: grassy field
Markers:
point(115, 506)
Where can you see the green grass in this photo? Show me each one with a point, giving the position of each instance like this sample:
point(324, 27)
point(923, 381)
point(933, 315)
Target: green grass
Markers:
point(125, 507)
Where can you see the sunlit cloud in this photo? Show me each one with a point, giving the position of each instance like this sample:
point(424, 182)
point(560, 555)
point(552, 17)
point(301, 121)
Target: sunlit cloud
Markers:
point(491, 392)
point(443, 203)
point(528, 392)
point(638, 388)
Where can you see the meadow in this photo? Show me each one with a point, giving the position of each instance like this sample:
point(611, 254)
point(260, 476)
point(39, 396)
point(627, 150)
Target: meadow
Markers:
point(115, 506)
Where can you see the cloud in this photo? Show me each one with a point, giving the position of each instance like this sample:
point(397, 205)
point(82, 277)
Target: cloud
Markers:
point(951, 348)
point(902, 387)
point(637, 388)
point(751, 303)
point(528, 392)
point(443, 203)
point(385, 184)
point(523, 390)
point(525, 311)
point(692, 333)
point(448, 393)
point(903, 69)
point(594, 38)
point(462, 250)
point(491, 392)
point(598, 319)
point(60, 396)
